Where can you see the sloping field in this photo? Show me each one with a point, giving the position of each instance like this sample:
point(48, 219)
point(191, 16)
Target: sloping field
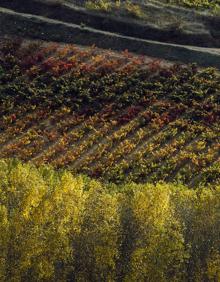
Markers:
point(171, 33)
point(141, 125)
point(110, 115)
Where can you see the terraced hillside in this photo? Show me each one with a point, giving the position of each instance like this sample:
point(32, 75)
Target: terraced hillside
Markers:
point(137, 8)
point(114, 116)
point(168, 32)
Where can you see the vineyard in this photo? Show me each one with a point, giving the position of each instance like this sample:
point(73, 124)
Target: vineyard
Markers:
point(114, 116)
point(110, 141)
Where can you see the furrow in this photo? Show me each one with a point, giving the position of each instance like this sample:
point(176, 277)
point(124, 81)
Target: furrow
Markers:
point(163, 164)
point(196, 178)
point(197, 160)
point(23, 138)
point(116, 136)
point(136, 136)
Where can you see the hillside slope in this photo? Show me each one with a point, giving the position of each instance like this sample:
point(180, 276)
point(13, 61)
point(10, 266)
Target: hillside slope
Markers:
point(115, 116)
point(195, 41)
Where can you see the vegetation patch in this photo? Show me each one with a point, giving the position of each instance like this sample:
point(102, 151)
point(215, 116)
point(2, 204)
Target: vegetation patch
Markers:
point(109, 163)
point(108, 115)
point(58, 227)
point(135, 9)
point(198, 4)
point(125, 7)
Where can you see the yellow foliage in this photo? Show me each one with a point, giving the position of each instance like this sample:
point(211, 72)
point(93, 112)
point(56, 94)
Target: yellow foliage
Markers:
point(58, 227)
point(159, 249)
point(213, 263)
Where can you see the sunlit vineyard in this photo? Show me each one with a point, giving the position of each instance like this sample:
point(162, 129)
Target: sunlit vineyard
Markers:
point(117, 117)
point(110, 141)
